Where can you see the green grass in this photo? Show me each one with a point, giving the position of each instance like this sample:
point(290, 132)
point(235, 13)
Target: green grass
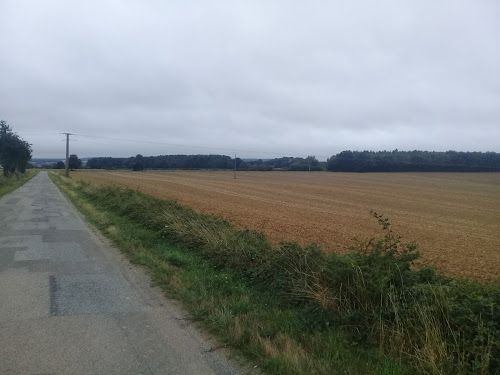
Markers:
point(281, 338)
point(296, 310)
point(11, 183)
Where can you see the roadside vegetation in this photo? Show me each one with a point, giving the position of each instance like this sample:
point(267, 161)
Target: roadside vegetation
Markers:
point(15, 154)
point(15, 180)
point(298, 310)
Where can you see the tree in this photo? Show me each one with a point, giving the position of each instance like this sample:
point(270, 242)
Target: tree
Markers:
point(74, 162)
point(311, 161)
point(138, 163)
point(59, 165)
point(15, 153)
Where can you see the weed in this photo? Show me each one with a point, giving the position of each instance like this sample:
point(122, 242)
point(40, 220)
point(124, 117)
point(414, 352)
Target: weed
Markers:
point(11, 183)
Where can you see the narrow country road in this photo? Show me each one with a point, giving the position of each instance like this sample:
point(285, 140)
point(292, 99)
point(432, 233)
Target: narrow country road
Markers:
point(70, 304)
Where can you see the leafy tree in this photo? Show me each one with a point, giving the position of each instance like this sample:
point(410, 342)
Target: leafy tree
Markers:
point(15, 153)
point(107, 163)
point(59, 165)
point(308, 164)
point(138, 163)
point(74, 162)
point(311, 162)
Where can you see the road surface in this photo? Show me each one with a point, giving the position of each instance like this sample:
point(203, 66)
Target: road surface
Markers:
point(71, 304)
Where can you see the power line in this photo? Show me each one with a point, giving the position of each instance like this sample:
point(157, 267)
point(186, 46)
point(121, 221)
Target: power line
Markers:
point(36, 133)
point(184, 145)
point(152, 142)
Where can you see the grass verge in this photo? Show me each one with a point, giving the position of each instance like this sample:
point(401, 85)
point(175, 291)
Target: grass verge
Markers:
point(297, 310)
point(9, 184)
point(280, 338)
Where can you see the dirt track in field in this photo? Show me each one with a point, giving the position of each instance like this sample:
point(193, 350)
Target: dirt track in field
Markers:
point(455, 218)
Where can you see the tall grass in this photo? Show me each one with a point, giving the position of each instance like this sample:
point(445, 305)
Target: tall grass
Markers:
point(374, 295)
point(11, 183)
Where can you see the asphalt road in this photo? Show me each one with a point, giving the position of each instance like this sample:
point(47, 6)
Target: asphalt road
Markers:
point(71, 304)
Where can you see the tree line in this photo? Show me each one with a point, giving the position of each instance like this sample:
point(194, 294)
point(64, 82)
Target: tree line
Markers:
point(15, 154)
point(140, 162)
point(345, 161)
point(414, 161)
point(288, 163)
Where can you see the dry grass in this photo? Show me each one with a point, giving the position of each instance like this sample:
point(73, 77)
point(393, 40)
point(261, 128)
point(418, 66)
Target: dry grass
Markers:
point(454, 217)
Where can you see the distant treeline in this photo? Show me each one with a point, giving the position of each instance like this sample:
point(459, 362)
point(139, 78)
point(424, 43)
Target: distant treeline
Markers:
point(140, 162)
point(414, 161)
point(346, 161)
point(285, 163)
point(163, 162)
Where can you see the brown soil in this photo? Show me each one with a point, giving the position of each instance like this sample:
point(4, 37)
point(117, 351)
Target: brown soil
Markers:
point(455, 218)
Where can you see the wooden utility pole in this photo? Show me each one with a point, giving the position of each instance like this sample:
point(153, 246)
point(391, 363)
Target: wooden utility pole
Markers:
point(67, 153)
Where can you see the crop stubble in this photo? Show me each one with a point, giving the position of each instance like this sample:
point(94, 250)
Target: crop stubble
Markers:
point(454, 218)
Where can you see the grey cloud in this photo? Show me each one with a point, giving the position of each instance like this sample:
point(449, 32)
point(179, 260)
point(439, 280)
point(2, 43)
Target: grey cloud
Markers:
point(287, 77)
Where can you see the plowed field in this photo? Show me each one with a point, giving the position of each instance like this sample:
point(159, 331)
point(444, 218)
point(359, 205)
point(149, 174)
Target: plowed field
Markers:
point(455, 218)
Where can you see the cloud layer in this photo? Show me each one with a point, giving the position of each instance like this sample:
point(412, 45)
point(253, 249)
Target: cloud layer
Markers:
point(274, 78)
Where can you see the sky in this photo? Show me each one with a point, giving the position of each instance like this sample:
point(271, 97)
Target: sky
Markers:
point(260, 79)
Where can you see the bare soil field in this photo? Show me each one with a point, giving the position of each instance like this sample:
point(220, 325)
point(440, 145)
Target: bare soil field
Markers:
point(454, 217)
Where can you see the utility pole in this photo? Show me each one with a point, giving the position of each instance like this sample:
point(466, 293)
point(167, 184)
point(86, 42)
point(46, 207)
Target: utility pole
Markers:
point(67, 153)
point(235, 166)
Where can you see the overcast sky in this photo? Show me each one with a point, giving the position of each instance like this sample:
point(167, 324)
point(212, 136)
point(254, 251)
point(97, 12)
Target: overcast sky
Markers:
point(263, 78)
